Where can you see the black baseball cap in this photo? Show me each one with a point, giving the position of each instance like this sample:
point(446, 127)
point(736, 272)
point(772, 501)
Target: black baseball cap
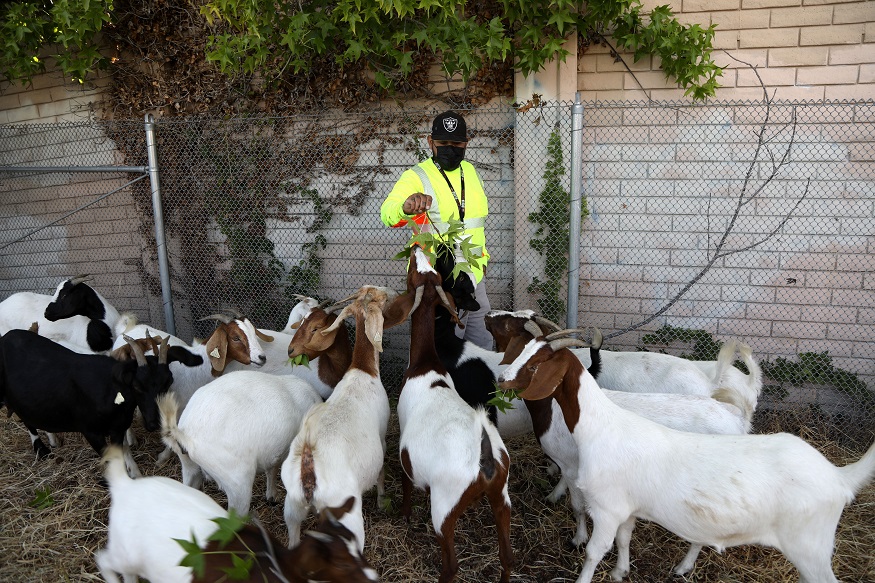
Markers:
point(449, 126)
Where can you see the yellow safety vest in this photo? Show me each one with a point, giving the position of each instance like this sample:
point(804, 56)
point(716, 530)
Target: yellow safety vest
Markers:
point(427, 179)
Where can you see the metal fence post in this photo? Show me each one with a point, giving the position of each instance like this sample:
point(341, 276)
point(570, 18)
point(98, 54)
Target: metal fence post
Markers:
point(576, 206)
point(163, 268)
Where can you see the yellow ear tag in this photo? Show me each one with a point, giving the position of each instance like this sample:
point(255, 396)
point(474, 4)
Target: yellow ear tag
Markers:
point(119, 399)
point(215, 353)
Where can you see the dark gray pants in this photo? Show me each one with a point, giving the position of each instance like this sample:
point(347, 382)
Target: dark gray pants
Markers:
point(475, 322)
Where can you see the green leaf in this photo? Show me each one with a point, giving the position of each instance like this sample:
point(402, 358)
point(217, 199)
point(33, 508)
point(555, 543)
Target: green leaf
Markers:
point(300, 360)
point(241, 566)
point(43, 499)
point(194, 556)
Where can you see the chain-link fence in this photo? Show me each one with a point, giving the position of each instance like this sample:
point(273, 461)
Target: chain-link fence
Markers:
point(701, 223)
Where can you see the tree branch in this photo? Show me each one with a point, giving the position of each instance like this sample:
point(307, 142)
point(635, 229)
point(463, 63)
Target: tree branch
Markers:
point(748, 192)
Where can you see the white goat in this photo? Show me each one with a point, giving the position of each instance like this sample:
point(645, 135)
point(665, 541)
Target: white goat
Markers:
point(76, 316)
point(234, 427)
point(447, 447)
point(340, 449)
point(300, 311)
point(145, 516)
point(654, 372)
point(715, 490)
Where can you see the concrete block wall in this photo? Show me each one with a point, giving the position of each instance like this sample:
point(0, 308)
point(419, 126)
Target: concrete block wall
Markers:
point(51, 98)
point(658, 214)
point(804, 49)
point(51, 225)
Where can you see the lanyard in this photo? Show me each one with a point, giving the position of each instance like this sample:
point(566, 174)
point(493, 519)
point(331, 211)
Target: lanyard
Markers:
point(460, 200)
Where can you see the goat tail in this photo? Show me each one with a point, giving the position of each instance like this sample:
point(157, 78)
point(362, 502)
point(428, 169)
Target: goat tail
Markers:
point(492, 451)
point(731, 396)
point(858, 474)
point(724, 361)
point(168, 408)
point(302, 450)
point(123, 325)
point(114, 470)
point(755, 373)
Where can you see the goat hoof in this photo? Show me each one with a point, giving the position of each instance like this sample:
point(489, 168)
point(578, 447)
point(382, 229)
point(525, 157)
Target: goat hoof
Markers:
point(42, 452)
point(273, 501)
point(618, 574)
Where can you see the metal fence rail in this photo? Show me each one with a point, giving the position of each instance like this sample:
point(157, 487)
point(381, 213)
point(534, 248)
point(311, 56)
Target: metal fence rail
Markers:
point(259, 209)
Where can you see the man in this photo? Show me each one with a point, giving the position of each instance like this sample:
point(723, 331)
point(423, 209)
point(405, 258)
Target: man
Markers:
point(449, 188)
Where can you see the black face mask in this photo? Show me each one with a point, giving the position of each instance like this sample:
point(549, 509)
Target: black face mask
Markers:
point(449, 157)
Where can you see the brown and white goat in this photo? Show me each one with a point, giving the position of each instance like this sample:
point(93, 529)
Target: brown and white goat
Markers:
point(716, 490)
point(340, 449)
point(329, 353)
point(326, 553)
point(446, 447)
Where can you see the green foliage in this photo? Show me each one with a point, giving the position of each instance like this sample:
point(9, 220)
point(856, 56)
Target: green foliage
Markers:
point(437, 244)
point(704, 345)
point(300, 360)
point(195, 556)
point(67, 29)
point(277, 40)
point(503, 400)
point(42, 499)
point(553, 234)
point(817, 368)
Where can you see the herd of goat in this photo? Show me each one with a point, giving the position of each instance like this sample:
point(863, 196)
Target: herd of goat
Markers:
point(634, 434)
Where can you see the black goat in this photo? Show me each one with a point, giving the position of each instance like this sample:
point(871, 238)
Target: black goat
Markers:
point(57, 390)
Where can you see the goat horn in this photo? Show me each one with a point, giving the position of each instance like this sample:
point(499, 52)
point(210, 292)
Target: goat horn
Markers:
point(79, 279)
point(566, 342)
point(223, 318)
point(138, 350)
point(417, 299)
point(542, 321)
point(300, 298)
point(234, 312)
point(323, 304)
point(563, 333)
point(532, 329)
point(340, 318)
point(162, 350)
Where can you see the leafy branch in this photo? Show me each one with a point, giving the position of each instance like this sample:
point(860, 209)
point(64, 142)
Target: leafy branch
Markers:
point(453, 241)
point(228, 527)
point(503, 400)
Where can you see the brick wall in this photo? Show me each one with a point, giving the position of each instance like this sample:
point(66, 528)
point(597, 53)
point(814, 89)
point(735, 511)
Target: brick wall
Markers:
point(804, 49)
point(50, 98)
point(661, 184)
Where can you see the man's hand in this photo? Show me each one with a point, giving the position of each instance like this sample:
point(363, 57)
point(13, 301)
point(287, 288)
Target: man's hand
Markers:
point(416, 203)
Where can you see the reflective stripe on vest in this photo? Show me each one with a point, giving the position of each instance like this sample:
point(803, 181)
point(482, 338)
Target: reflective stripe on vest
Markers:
point(428, 188)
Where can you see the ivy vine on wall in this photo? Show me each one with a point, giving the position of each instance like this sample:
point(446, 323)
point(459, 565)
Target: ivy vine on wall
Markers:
point(553, 234)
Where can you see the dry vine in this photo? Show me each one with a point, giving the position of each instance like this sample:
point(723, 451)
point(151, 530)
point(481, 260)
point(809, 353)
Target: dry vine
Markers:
point(744, 196)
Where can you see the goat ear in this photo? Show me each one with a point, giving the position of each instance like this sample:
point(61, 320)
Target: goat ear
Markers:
point(296, 325)
point(398, 311)
point(182, 355)
point(514, 348)
point(262, 336)
point(374, 326)
point(546, 379)
point(217, 350)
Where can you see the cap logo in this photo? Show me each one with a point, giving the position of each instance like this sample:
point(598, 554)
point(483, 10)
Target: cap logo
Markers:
point(450, 124)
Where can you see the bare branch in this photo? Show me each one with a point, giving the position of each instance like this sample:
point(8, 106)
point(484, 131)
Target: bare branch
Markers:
point(749, 192)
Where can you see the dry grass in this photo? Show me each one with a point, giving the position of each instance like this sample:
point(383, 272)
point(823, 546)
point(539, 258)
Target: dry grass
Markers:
point(57, 543)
